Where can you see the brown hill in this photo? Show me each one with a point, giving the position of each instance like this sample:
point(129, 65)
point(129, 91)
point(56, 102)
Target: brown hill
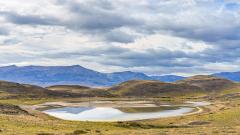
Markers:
point(195, 84)
point(138, 88)
point(151, 88)
point(79, 91)
point(16, 90)
point(208, 83)
point(10, 89)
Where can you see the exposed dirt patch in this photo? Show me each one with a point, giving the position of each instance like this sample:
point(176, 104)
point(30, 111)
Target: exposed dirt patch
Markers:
point(12, 110)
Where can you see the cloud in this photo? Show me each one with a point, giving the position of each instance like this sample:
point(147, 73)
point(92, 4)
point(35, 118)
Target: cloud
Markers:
point(4, 31)
point(119, 36)
point(151, 36)
point(29, 19)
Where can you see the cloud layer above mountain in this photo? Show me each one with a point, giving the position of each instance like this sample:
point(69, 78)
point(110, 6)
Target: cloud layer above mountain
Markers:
point(152, 36)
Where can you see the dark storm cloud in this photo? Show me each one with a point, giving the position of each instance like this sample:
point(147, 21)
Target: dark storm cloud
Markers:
point(97, 18)
point(103, 17)
point(209, 34)
point(221, 54)
point(29, 19)
point(100, 18)
point(98, 52)
point(118, 36)
point(123, 57)
point(161, 58)
point(117, 56)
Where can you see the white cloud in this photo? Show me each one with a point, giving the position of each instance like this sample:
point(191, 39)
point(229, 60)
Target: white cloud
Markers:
point(171, 43)
point(156, 37)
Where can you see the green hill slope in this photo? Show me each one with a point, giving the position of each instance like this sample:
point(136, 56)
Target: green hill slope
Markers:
point(79, 91)
point(151, 88)
point(196, 84)
point(16, 90)
point(133, 88)
point(209, 83)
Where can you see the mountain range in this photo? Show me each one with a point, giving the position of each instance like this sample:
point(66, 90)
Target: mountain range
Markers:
point(234, 76)
point(78, 75)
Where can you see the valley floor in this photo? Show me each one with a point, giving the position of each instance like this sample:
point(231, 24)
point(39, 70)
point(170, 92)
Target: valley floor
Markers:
point(222, 117)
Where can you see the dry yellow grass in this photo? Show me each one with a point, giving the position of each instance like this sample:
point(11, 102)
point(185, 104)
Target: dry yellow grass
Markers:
point(222, 117)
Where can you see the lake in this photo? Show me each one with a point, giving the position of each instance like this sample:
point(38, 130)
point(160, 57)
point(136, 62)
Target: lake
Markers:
point(117, 114)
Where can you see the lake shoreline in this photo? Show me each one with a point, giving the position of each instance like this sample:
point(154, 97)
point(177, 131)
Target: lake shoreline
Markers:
point(118, 104)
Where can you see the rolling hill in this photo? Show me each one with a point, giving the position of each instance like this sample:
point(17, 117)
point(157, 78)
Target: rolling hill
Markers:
point(208, 83)
point(132, 88)
point(195, 84)
point(142, 88)
point(16, 90)
point(80, 91)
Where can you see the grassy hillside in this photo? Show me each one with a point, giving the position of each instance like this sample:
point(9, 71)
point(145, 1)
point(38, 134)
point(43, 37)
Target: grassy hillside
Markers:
point(79, 91)
point(208, 83)
point(10, 90)
point(222, 117)
point(196, 84)
point(151, 88)
point(138, 88)
point(16, 90)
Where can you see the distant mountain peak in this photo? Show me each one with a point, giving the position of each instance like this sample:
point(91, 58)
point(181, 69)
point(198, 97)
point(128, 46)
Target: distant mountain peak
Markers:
point(234, 76)
point(79, 75)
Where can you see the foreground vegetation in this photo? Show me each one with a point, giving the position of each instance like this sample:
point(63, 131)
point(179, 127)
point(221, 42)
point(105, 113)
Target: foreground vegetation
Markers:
point(221, 117)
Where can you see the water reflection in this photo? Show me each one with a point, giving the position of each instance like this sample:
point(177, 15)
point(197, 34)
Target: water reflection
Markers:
point(116, 114)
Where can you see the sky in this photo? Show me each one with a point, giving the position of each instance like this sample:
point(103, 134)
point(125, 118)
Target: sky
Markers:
point(156, 37)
